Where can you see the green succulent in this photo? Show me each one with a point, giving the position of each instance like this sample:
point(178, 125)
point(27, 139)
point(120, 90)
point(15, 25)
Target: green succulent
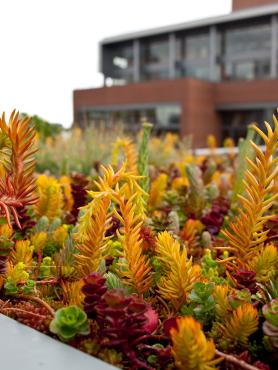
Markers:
point(68, 322)
point(202, 302)
point(270, 312)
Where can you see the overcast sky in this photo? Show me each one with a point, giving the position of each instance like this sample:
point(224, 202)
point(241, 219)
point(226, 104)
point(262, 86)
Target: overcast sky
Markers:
point(50, 47)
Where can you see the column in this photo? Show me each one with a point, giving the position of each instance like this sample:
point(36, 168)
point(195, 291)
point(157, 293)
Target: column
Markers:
point(136, 60)
point(172, 55)
point(212, 53)
point(274, 46)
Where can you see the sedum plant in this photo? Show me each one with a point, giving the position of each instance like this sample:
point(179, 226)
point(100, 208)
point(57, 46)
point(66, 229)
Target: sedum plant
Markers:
point(191, 349)
point(179, 273)
point(17, 183)
point(242, 323)
point(132, 256)
point(69, 322)
point(246, 233)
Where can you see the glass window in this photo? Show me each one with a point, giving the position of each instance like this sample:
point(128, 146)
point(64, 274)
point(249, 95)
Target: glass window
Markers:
point(247, 70)
point(235, 123)
point(154, 58)
point(246, 39)
point(164, 116)
point(168, 116)
point(155, 51)
point(247, 52)
point(118, 62)
point(197, 47)
point(192, 55)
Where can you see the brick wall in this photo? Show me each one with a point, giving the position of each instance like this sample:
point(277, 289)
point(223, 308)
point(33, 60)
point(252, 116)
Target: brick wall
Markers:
point(199, 100)
point(196, 99)
point(243, 4)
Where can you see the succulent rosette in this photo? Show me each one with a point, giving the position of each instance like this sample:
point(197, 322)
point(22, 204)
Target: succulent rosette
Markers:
point(270, 312)
point(69, 322)
point(270, 326)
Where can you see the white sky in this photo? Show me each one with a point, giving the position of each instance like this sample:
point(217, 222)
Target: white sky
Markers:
point(50, 47)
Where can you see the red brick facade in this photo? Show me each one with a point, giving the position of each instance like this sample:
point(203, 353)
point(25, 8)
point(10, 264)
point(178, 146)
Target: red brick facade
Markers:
point(243, 4)
point(199, 100)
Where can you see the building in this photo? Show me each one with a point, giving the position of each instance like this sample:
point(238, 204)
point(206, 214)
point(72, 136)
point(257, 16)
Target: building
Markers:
point(211, 76)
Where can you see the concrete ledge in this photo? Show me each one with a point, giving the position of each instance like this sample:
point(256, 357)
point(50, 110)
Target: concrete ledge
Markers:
point(24, 348)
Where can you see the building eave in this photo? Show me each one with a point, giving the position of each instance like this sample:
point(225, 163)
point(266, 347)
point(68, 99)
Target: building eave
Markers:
point(231, 17)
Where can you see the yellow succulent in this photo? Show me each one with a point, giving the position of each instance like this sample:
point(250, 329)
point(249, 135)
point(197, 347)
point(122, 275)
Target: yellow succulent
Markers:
point(179, 272)
point(191, 349)
point(51, 198)
point(246, 233)
point(179, 182)
point(60, 235)
point(72, 292)
point(222, 305)
point(39, 240)
point(67, 192)
point(6, 231)
point(243, 322)
point(157, 190)
point(129, 152)
point(17, 273)
point(265, 263)
point(22, 252)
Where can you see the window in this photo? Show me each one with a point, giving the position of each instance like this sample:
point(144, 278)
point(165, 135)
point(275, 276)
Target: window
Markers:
point(247, 52)
point(118, 62)
point(154, 58)
point(235, 123)
point(168, 116)
point(163, 116)
point(192, 55)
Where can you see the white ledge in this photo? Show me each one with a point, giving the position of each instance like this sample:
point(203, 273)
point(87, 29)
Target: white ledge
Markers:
point(24, 348)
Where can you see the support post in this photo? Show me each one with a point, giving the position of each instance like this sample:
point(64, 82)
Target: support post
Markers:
point(212, 53)
point(172, 55)
point(274, 46)
point(136, 60)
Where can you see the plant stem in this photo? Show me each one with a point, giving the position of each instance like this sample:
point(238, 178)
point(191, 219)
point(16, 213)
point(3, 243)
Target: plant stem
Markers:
point(37, 300)
point(38, 265)
point(13, 309)
point(233, 360)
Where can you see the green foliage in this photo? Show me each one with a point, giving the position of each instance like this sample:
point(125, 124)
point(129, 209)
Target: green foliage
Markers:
point(10, 287)
point(157, 266)
point(44, 128)
point(210, 269)
point(113, 281)
point(270, 312)
point(77, 151)
point(69, 322)
point(143, 159)
point(28, 287)
point(201, 303)
point(239, 297)
point(270, 289)
point(245, 150)
point(45, 268)
point(42, 224)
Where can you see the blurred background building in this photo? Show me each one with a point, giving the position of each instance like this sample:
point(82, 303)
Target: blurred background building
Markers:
point(211, 76)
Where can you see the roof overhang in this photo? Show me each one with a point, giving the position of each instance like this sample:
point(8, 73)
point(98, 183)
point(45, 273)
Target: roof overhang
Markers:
point(231, 17)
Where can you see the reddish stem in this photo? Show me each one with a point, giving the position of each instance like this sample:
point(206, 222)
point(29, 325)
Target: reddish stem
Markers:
point(37, 300)
point(233, 360)
point(13, 309)
point(38, 265)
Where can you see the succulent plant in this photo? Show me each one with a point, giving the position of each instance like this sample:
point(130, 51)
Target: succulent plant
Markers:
point(246, 279)
point(270, 312)
point(69, 322)
point(94, 287)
